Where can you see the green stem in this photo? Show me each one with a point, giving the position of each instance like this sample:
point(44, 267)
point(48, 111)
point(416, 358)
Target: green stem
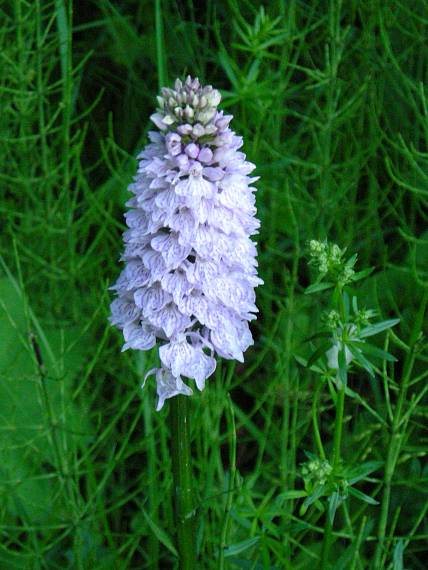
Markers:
point(232, 476)
point(153, 543)
point(326, 543)
point(337, 440)
point(337, 445)
point(315, 425)
point(338, 428)
point(183, 492)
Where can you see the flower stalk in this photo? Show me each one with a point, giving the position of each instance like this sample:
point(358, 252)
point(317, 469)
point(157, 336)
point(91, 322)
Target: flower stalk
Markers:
point(337, 444)
point(338, 430)
point(182, 481)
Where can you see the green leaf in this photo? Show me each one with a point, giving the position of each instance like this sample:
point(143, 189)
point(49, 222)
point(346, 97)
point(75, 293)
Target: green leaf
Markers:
point(251, 565)
point(333, 503)
point(319, 492)
point(362, 496)
point(239, 547)
point(160, 534)
point(352, 260)
point(228, 68)
point(346, 302)
point(321, 334)
point(311, 456)
point(318, 353)
point(376, 328)
point(316, 287)
point(374, 351)
point(303, 362)
point(361, 471)
point(292, 494)
point(397, 558)
point(362, 361)
point(362, 274)
point(343, 374)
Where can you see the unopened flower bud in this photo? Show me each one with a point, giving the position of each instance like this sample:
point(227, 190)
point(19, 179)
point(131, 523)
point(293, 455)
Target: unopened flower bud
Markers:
point(192, 150)
point(210, 129)
point(205, 155)
point(206, 115)
point(184, 129)
point(198, 130)
point(189, 113)
point(214, 98)
point(168, 119)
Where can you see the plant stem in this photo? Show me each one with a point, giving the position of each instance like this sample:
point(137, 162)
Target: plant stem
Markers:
point(183, 492)
point(232, 476)
point(338, 428)
point(153, 543)
point(315, 426)
point(337, 444)
point(337, 440)
point(326, 543)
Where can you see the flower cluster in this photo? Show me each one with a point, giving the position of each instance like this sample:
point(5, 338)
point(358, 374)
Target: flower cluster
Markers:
point(316, 470)
point(190, 265)
point(328, 258)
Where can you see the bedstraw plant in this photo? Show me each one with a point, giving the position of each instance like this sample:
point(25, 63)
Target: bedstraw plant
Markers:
point(343, 346)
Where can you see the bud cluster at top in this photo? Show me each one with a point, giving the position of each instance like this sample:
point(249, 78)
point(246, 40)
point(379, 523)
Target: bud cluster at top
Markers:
point(190, 110)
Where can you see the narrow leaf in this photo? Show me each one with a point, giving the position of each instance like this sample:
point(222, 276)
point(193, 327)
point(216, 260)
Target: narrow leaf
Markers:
point(239, 547)
point(316, 287)
point(352, 260)
point(318, 353)
point(319, 491)
point(362, 274)
point(375, 351)
point(397, 559)
point(378, 327)
point(362, 496)
point(343, 375)
point(362, 361)
point(292, 494)
point(333, 502)
point(160, 534)
point(321, 334)
point(361, 471)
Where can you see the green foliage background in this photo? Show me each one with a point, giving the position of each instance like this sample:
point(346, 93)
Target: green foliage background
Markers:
point(331, 99)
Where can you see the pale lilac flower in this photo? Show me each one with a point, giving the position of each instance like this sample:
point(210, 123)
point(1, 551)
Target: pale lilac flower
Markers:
point(190, 265)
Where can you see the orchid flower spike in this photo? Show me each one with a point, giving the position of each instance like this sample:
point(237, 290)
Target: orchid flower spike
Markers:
point(190, 265)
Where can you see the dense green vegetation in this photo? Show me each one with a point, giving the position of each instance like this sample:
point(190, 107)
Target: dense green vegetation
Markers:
point(331, 99)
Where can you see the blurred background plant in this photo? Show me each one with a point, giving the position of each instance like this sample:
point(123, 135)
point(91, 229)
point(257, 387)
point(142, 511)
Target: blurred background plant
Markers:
point(331, 100)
